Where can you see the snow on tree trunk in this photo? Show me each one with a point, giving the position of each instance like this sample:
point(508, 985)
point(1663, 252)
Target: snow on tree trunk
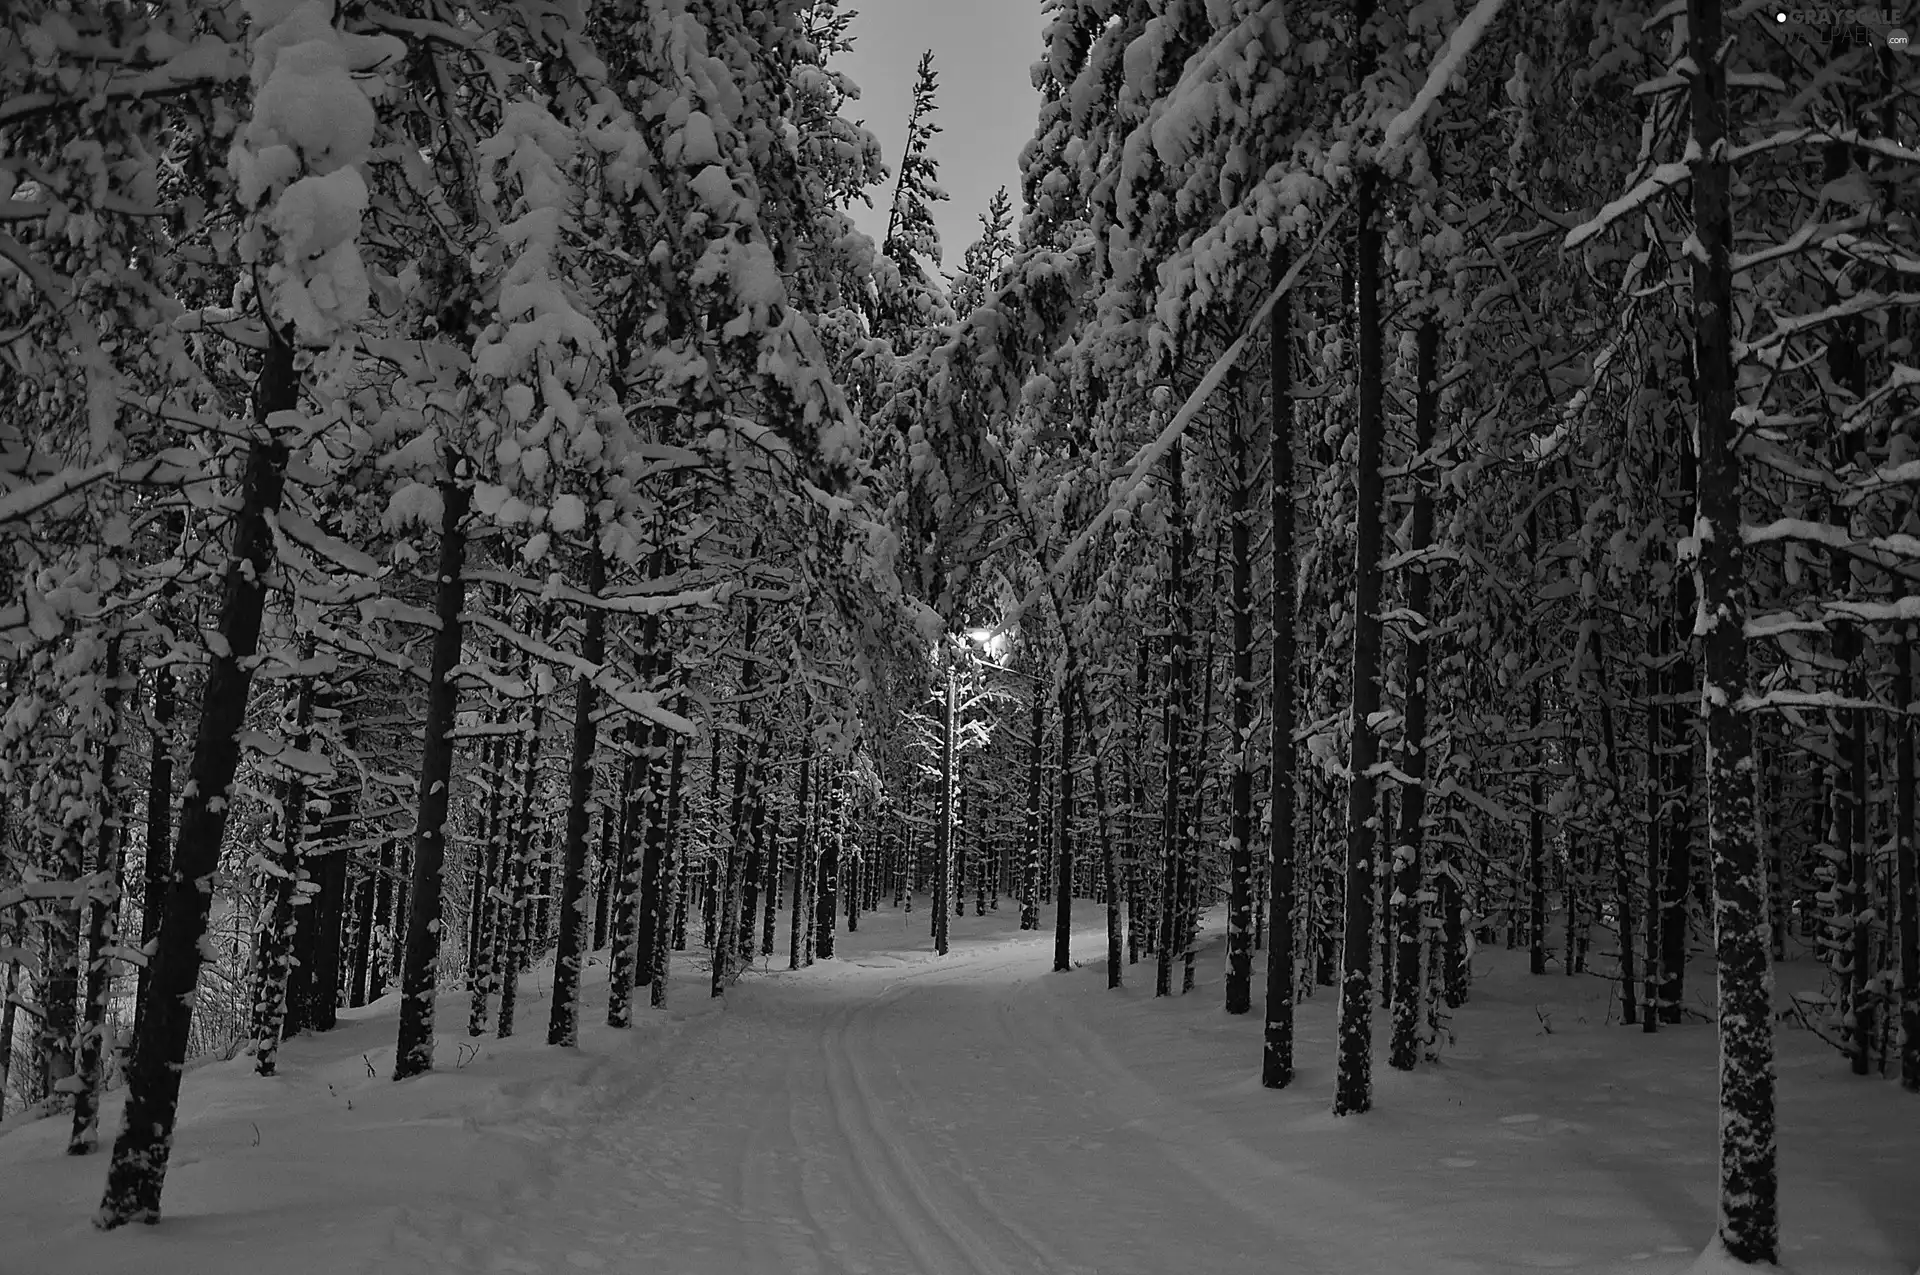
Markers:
point(1749, 1223)
point(159, 824)
point(563, 1019)
point(1276, 1051)
point(420, 965)
point(1353, 1084)
point(1409, 912)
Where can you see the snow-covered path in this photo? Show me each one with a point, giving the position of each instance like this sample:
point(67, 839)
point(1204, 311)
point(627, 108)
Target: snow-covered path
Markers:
point(888, 1113)
point(894, 1113)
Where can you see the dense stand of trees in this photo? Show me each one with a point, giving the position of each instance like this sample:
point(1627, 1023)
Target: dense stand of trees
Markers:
point(1419, 475)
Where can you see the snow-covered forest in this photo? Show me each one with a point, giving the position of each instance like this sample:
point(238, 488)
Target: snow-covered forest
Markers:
point(1378, 591)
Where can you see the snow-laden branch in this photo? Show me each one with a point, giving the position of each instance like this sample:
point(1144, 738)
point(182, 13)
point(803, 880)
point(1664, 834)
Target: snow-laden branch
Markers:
point(1126, 489)
point(1402, 127)
point(27, 501)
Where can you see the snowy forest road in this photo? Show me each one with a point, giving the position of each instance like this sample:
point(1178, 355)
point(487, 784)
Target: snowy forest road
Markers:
point(889, 1114)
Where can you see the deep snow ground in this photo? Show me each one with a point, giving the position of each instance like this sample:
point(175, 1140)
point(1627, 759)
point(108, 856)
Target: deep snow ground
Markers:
point(894, 1114)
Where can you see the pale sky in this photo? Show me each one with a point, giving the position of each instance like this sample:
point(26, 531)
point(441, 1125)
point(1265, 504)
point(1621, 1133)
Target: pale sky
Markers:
point(982, 50)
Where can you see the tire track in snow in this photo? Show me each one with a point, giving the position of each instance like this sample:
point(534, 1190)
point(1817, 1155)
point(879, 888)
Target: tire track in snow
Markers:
point(1035, 1254)
point(935, 1232)
point(772, 1188)
point(1326, 1227)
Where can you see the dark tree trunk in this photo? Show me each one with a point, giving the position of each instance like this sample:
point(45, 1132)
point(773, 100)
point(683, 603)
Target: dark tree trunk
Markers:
point(563, 1019)
point(1030, 869)
point(943, 825)
point(770, 885)
point(1408, 914)
point(419, 972)
point(1240, 790)
point(488, 893)
point(140, 1153)
point(735, 865)
point(607, 875)
point(1063, 873)
point(329, 900)
point(803, 849)
point(1749, 1221)
point(1677, 874)
point(1353, 1085)
point(1536, 807)
point(380, 966)
point(103, 910)
point(636, 883)
point(1109, 849)
point(363, 894)
point(274, 951)
point(1909, 888)
point(829, 871)
point(1174, 729)
point(673, 871)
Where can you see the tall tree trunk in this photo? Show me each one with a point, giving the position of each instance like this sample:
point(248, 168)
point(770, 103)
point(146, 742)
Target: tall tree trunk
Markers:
point(943, 826)
point(380, 972)
point(726, 947)
point(103, 910)
point(1174, 727)
point(329, 872)
point(140, 1152)
point(1030, 866)
point(487, 894)
point(629, 957)
point(1063, 877)
point(673, 870)
point(1110, 877)
point(1536, 837)
point(803, 849)
point(419, 971)
point(10, 937)
point(1749, 1221)
point(770, 887)
point(1353, 1085)
point(519, 906)
point(1409, 870)
point(1623, 893)
point(1677, 869)
point(159, 821)
point(563, 1019)
point(1240, 791)
point(829, 869)
point(363, 895)
point(1276, 1053)
point(1904, 854)
point(273, 951)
